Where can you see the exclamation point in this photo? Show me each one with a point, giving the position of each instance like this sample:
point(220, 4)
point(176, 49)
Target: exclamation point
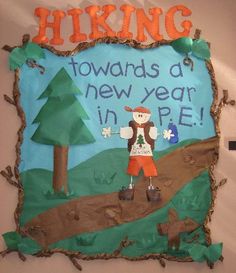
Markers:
point(201, 116)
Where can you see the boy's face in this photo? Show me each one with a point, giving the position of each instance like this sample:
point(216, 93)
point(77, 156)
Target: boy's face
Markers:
point(141, 118)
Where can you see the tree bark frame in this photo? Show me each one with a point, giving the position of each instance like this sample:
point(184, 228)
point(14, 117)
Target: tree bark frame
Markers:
point(216, 108)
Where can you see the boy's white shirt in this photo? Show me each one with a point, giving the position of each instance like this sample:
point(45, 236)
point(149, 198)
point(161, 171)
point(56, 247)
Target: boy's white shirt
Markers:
point(127, 132)
point(145, 149)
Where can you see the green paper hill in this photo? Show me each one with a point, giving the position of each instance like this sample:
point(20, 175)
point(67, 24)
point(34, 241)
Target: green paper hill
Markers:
point(109, 175)
point(193, 199)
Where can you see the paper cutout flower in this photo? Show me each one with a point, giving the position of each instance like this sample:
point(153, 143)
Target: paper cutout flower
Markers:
point(201, 253)
point(199, 47)
point(106, 132)
point(20, 55)
point(167, 134)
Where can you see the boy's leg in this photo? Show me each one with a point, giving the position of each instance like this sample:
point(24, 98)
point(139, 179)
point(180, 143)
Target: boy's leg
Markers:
point(149, 169)
point(134, 166)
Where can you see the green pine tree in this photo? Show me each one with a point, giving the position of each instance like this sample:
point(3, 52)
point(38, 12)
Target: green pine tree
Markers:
point(140, 140)
point(61, 124)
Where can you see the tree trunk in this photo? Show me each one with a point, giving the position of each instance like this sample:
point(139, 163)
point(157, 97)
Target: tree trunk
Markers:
point(60, 168)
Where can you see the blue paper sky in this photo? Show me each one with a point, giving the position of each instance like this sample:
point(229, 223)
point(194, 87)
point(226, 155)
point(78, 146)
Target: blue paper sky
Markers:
point(161, 59)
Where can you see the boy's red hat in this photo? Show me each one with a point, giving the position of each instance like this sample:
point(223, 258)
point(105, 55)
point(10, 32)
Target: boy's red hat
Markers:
point(139, 109)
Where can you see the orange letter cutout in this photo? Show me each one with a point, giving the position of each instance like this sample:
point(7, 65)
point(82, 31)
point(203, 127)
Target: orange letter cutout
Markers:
point(152, 26)
point(43, 14)
point(170, 24)
point(99, 20)
point(77, 36)
point(124, 33)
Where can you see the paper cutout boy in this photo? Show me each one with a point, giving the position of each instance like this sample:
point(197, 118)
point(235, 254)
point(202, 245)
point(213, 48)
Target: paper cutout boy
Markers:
point(141, 135)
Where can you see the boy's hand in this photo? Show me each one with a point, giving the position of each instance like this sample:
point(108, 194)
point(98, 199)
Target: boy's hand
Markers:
point(106, 132)
point(167, 134)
